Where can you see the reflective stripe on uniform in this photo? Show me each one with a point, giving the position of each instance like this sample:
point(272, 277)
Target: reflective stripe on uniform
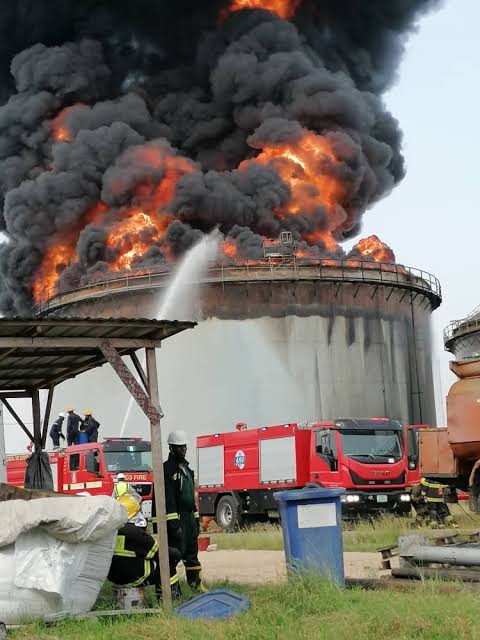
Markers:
point(120, 549)
point(196, 514)
point(152, 551)
point(433, 491)
point(172, 516)
point(435, 485)
point(197, 568)
point(174, 579)
point(147, 571)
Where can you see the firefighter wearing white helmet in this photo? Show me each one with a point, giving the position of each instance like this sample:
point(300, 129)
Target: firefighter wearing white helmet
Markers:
point(177, 438)
point(122, 488)
point(183, 522)
point(56, 431)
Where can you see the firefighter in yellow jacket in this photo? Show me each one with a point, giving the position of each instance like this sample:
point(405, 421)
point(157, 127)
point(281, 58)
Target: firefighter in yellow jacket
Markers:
point(135, 557)
point(428, 500)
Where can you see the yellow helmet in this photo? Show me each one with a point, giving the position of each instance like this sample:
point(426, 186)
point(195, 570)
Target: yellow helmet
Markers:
point(88, 412)
point(131, 505)
point(69, 409)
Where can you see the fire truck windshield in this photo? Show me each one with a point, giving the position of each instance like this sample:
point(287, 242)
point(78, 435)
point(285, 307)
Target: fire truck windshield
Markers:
point(128, 460)
point(371, 445)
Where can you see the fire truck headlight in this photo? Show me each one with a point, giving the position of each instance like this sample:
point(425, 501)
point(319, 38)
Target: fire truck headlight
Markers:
point(351, 498)
point(405, 497)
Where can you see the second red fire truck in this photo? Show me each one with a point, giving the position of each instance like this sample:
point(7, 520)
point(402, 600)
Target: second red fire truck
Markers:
point(375, 460)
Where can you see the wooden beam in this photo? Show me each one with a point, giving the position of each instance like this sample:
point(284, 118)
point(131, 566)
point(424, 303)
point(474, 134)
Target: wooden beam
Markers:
point(37, 430)
point(159, 480)
point(129, 381)
point(15, 394)
point(139, 369)
point(46, 416)
point(49, 353)
point(75, 343)
point(69, 373)
point(16, 417)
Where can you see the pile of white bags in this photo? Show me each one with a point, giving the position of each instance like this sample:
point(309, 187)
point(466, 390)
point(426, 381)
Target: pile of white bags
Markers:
point(55, 554)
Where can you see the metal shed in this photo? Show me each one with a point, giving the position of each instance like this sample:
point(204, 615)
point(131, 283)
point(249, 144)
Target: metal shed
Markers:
point(39, 353)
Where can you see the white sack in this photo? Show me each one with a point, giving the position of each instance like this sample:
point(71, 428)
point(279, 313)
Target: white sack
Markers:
point(55, 554)
point(72, 519)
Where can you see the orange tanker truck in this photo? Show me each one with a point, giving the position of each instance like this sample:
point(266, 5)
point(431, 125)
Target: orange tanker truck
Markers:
point(452, 454)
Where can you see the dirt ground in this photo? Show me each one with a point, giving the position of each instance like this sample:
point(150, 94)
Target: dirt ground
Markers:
point(254, 567)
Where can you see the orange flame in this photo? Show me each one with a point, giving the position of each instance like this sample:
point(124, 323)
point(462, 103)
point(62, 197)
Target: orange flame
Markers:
point(300, 165)
point(58, 125)
point(54, 261)
point(283, 8)
point(229, 249)
point(134, 233)
point(60, 254)
point(132, 237)
point(374, 249)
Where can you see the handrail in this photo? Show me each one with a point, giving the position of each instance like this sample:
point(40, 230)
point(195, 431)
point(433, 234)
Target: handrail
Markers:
point(457, 328)
point(258, 270)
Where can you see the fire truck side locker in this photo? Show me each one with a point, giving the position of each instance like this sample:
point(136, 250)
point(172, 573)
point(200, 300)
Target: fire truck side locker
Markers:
point(277, 460)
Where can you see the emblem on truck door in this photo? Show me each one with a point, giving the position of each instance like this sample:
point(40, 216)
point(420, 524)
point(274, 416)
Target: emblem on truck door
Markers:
point(240, 459)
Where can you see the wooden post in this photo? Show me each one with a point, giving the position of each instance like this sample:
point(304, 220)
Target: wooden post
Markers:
point(37, 429)
point(158, 479)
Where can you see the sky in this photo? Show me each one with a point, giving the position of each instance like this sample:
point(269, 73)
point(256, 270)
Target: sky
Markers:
point(431, 219)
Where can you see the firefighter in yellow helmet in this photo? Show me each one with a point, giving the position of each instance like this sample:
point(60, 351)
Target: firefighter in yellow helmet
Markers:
point(135, 557)
point(428, 500)
point(90, 426)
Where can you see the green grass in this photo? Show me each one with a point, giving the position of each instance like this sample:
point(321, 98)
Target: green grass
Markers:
point(359, 536)
point(302, 609)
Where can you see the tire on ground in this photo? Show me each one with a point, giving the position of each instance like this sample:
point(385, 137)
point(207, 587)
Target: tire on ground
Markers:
point(228, 516)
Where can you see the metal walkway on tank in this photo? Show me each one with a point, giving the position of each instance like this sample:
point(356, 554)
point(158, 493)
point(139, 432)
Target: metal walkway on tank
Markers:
point(342, 271)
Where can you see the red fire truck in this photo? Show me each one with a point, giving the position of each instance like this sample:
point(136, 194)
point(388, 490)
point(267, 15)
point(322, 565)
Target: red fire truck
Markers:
point(92, 467)
point(375, 460)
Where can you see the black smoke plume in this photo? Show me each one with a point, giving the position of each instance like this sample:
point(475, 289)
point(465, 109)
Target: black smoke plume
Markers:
point(93, 90)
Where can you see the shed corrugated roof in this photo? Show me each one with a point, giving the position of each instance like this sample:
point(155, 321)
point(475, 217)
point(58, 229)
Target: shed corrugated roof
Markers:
point(41, 352)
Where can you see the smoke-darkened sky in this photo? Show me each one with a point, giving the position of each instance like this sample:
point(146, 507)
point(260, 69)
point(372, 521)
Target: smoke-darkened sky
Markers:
point(131, 128)
point(431, 217)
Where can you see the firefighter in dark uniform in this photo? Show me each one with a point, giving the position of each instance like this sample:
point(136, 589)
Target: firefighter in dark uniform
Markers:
point(74, 424)
point(183, 521)
point(428, 500)
point(135, 557)
point(56, 430)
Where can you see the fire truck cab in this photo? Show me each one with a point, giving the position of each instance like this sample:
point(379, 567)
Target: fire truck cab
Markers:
point(239, 472)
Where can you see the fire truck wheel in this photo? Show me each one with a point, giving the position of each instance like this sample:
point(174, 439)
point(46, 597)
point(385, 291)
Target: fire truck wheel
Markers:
point(228, 517)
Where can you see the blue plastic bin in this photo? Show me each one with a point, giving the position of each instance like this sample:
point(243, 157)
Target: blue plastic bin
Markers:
point(82, 438)
point(312, 531)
